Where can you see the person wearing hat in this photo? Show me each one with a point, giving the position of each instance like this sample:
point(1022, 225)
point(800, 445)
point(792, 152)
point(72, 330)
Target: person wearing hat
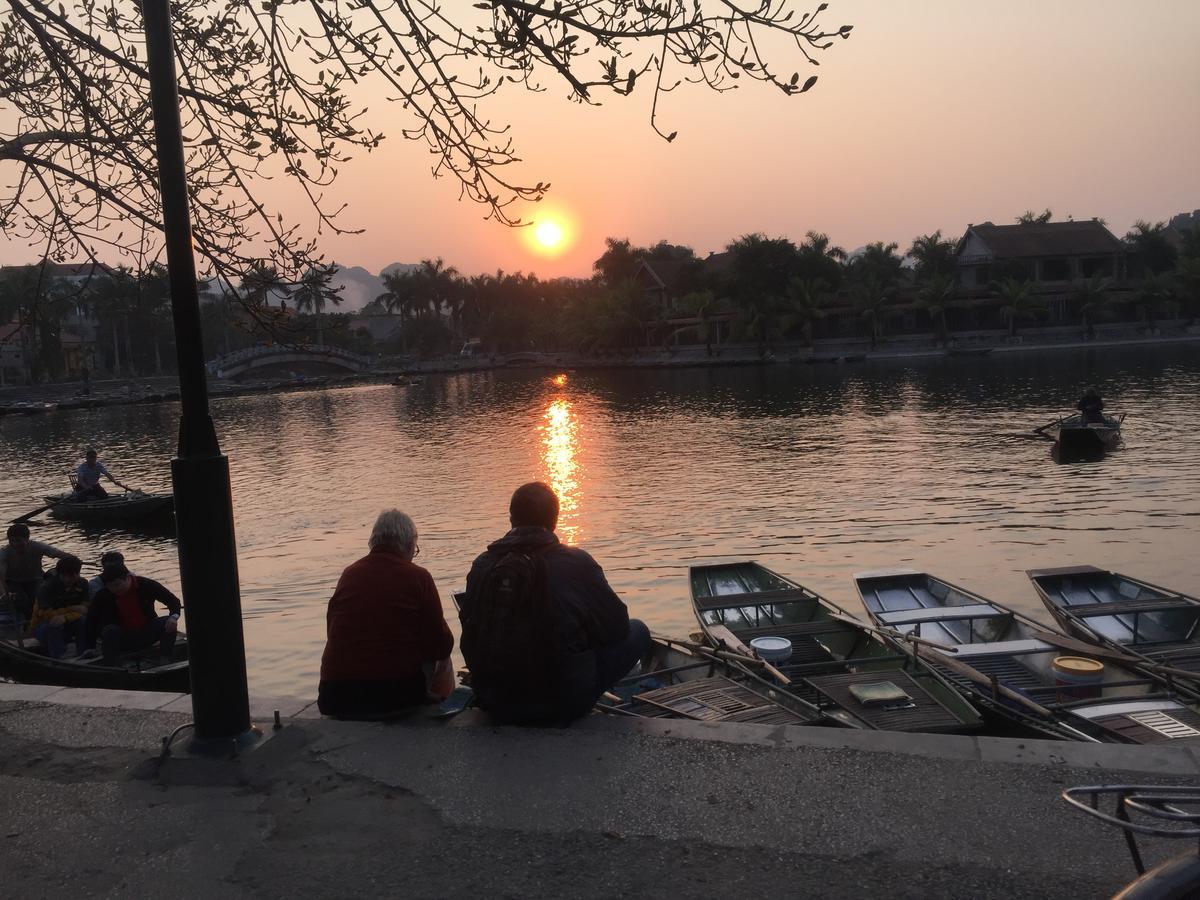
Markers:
point(124, 618)
point(87, 478)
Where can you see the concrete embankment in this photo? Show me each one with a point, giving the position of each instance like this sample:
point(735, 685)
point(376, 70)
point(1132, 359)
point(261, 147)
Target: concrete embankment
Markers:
point(610, 807)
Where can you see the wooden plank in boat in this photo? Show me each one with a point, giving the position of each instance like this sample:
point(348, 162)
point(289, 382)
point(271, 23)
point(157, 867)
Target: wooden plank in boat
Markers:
point(924, 714)
point(1126, 607)
point(755, 598)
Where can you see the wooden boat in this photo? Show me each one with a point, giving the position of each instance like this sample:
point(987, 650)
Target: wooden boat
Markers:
point(673, 683)
point(837, 664)
point(131, 506)
point(25, 660)
point(1005, 661)
point(1156, 625)
point(1077, 439)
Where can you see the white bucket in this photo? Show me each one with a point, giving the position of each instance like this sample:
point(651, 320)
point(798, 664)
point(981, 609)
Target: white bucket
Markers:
point(772, 649)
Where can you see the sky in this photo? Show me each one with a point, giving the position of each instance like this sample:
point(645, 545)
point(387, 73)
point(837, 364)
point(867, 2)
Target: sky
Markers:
point(933, 115)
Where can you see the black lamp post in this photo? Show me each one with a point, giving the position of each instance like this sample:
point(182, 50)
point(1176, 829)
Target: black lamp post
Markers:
point(200, 472)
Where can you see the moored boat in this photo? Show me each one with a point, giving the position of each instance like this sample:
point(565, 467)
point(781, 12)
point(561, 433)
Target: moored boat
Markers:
point(673, 683)
point(131, 506)
point(25, 660)
point(833, 661)
point(1013, 667)
point(1157, 625)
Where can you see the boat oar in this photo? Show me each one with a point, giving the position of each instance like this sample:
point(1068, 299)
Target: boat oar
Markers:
point(979, 678)
point(892, 633)
point(1042, 429)
point(1092, 650)
point(30, 515)
point(744, 658)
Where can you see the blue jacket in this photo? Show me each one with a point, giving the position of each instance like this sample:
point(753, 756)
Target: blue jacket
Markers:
point(588, 614)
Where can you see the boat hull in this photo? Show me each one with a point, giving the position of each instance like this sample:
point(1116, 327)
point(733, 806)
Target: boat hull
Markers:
point(113, 509)
point(31, 667)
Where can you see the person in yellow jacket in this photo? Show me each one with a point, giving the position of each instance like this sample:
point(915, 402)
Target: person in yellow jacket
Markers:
point(62, 603)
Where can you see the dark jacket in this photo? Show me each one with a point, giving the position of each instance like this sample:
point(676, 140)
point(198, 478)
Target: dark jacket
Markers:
point(588, 615)
point(102, 611)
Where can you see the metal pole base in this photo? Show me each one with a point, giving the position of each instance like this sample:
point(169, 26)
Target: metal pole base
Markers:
point(226, 747)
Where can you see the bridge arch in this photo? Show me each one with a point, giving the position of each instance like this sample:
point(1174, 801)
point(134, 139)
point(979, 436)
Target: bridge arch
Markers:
point(238, 363)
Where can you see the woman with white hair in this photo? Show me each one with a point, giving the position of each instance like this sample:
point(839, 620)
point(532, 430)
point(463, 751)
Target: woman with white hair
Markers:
point(388, 646)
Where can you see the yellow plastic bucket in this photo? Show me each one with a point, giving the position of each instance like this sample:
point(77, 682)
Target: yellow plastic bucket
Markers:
point(1077, 677)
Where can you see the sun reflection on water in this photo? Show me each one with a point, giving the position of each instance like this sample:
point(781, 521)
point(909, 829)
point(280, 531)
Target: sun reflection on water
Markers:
point(560, 441)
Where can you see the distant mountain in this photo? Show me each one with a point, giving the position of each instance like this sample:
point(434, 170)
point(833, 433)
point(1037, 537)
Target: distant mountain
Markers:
point(359, 287)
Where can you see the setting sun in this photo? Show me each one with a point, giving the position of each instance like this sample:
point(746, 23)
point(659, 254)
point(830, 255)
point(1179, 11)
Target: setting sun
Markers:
point(552, 232)
point(549, 234)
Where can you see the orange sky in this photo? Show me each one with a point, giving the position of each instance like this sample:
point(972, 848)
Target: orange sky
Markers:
point(934, 114)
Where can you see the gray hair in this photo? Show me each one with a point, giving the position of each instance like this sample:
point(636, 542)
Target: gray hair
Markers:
point(395, 529)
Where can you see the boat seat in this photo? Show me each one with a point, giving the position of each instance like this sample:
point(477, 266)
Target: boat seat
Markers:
point(754, 598)
point(1028, 645)
point(1127, 607)
point(912, 616)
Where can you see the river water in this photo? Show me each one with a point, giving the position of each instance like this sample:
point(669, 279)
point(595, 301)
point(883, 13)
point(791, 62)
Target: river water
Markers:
point(815, 471)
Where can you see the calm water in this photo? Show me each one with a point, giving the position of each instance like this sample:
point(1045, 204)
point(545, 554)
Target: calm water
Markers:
point(816, 471)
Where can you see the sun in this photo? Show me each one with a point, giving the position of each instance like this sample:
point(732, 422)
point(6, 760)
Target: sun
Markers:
point(549, 235)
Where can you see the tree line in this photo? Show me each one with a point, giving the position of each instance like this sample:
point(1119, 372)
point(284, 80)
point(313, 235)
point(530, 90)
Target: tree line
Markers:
point(759, 290)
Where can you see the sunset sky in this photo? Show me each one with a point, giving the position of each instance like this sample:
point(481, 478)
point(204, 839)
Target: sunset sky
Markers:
point(933, 115)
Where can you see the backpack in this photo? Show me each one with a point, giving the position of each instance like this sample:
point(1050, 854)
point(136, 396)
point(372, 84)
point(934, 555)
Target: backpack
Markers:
point(509, 639)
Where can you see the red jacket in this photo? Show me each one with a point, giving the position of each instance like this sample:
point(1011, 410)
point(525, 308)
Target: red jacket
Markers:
point(384, 620)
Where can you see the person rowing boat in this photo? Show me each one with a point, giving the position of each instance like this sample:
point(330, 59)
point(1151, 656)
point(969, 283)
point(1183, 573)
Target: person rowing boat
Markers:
point(88, 475)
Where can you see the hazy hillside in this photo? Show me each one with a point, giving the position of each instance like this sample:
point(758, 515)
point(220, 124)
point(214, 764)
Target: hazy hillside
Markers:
point(359, 287)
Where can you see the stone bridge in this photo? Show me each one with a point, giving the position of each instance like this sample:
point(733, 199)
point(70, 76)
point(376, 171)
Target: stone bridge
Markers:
point(238, 363)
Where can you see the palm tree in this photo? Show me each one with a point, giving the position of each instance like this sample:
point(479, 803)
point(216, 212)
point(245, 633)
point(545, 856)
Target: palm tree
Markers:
point(1019, 303)
point(1149, 243)
point(879, 262)
point(806, 305)
point(818, 244)
point(313, 292)
point(934, 296)
point(1154, 298)
point(700, 305)
point(871, 296)
point(933, 255)
point(1090, 297)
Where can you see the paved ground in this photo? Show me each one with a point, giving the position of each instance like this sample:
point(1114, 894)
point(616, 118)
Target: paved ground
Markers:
point(608, 809)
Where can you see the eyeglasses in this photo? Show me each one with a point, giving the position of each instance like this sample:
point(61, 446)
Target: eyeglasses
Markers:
point(416, 550)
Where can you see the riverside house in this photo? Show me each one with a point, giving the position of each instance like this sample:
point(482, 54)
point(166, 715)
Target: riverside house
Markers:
point(1051, 256)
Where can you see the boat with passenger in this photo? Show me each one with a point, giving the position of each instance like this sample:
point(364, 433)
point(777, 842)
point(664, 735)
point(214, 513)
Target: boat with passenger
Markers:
point(132, 506)
point(24, 659)
point(1015, 668)
point(822, 654)
point(1157, 625)
point(1076, 438)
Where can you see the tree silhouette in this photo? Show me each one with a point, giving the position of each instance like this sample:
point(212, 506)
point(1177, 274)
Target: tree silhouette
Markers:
point(273, 87)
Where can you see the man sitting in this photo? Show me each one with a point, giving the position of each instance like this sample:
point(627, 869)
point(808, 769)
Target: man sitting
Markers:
point(108, 558)
point(87, 478)
point(21, 567)
point(1092, 407)
point(123, 616)
point(62, 602)
point(388, 644)
point(542, 632)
